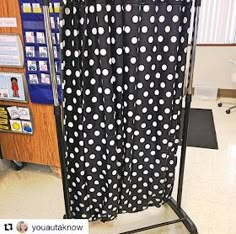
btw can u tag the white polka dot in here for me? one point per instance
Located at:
(166, 48)
(70, 124)
(94, 31)
(68, 72)
(98, 71)
(69, 90)
(132, 79)
(69, 108)
(170, 77)
(152, 19)
(173, 39)
(103, 52)
(135, 19)
(119, 70)
(127, 29)
(134, 40)
(133, 60)
(167, 29)
(89, 126)
(139, 102)
(169, 8)
(150, 39)
(119, 88)
(175, 18)
(140, 85)
(144, 29)
(118, 8)
(68, 32)
(94, 99)
(99, 7)
(119, 30)
(160, 38)
(128, 7)
(91, 62)
(143, 49)
(119, 51)
(107, 91)
(164, 67)
(172, 58)
(87, 91)
(162, 18)
(108, 8)
(67, 11)
(109, 109)
(92, 81)
(105, 72)
(68, 53)
(141, 67)
(101, 30)
(146, 8)
(127, 50)
(91, 9)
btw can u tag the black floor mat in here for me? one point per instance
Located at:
(201, 132)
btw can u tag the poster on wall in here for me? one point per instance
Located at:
(11, 51)
(16, 119)
(36, 52)
(13, 87)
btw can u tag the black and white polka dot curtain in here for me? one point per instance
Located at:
(123, 66)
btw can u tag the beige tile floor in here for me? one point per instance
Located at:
(209, 189)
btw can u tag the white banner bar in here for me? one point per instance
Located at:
(50, 226)
(8, 22)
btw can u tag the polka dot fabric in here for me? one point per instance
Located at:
(123, 66)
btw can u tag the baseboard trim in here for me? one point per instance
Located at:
(229, 93)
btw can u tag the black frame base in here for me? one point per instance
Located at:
(183, 217)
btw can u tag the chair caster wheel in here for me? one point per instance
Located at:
(227, 111)
(219, 104)
(64, 217)
(17, 166)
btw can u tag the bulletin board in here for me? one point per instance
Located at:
(35, 49)
(15, 119)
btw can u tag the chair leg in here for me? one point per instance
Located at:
(229, 109)
(233, 107)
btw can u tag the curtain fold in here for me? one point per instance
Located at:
(123, 65)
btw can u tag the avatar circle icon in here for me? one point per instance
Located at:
(22, 227)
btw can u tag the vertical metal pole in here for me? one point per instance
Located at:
(188, 101)
(57, 108)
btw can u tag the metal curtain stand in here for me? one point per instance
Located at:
(174, 204)
(57, 107)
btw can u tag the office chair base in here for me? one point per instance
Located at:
(228, 111)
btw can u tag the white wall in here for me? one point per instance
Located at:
(213, 68)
